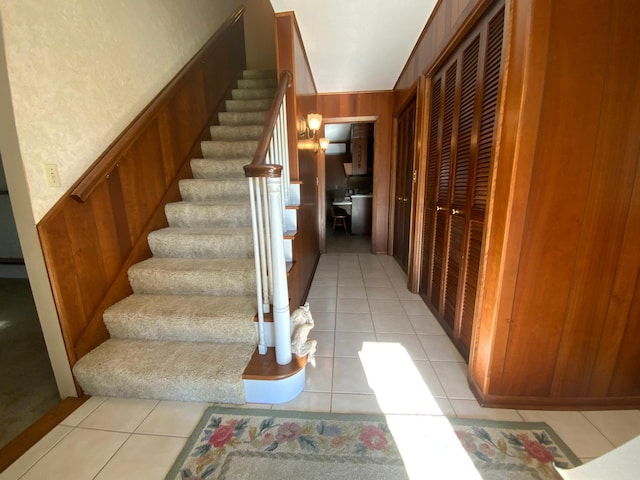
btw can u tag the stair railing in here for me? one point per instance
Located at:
(268, 176)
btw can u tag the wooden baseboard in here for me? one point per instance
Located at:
(33, 434)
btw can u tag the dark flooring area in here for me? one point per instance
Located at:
(27, 386)
(339, 241)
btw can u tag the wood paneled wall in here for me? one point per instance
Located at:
(301, 100)
(376, 107)
(558, 307)
(99, 228)
(559, 315)
(448, 23)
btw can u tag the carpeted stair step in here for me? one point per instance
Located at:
(178, 371)
(236, 132)
(227, 149)
(219, 169)
(208, 214)
(209, 190)
(194, 276)
(190, 242)
(242, 118)
(252, 83)
(255, 105)
(188, 332)
(180, 318)
(252, 93)
(259, 74)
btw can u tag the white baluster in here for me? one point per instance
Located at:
(258, 248)
(281, 320)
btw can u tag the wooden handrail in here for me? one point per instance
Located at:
(260, 156)
(101, 168)
(263, 170)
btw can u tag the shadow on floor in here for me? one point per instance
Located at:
(338, 241)
(27, 386)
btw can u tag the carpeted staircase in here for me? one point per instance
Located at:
(187, 331)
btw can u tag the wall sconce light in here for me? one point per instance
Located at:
(314, 120)
(324, 144)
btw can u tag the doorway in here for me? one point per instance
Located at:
(405, 141)
(348, 192)
(28, 388)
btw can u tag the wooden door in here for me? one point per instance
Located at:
(461, 136)
(481, 153)
(404, 183)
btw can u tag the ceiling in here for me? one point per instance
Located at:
(357, 45)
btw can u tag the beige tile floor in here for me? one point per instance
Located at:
(368, 327)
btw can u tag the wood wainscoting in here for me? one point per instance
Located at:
(536, 275)
(303, 163)
(99, 228)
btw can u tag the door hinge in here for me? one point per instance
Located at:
(317, 182)
(415, 176)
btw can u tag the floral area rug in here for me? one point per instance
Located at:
(237, 443)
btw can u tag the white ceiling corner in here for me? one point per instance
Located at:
(357, 45)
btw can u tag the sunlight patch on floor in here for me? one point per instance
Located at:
(424, 436)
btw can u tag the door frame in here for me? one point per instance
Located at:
(29, 239)
(322, 179)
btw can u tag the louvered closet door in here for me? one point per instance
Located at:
(461, 136)
(491, 41)
(441, 214)
(461, 171)
(433, 165)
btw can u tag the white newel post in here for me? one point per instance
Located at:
(281, 320)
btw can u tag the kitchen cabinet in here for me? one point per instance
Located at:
(361, 137)
(361, 214)
(359, 156)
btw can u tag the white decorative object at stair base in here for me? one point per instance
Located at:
(275, 391)
(301, 325)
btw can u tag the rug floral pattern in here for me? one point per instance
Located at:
(497, 452)
(531, 452)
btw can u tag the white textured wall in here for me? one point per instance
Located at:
(81, 70)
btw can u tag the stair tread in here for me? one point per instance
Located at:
(230, 213)
(242, 118)
(194, 276)
(214, 189)
(236, 132)
(204, 306)
(211, 168)
(201, 242)
(181, 371)
(195, 264)
(252, 93)
(184, 318)
(252, 73)
(204, 231)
